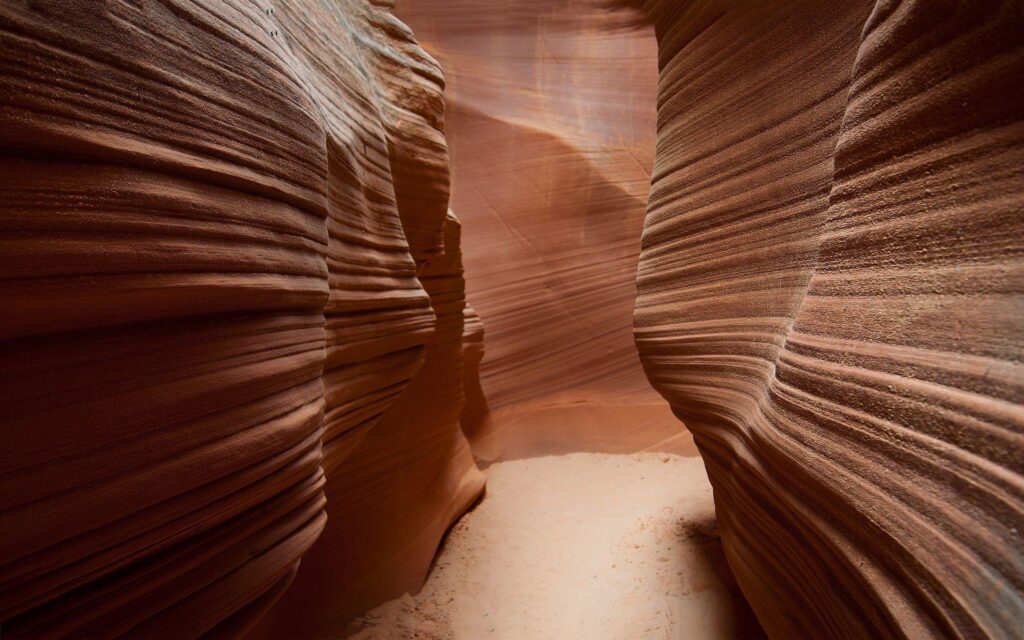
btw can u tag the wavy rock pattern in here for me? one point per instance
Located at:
(550, 170)
(235, 320)
(830, 295)
(396, 495)
(213, 218)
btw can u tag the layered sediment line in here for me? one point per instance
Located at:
(830, 296)
(235, 332)
(404, 484)
(215, 215)
(550, 168)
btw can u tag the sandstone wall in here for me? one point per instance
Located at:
(234, 316)
(214, 215)
(830, 295)
(550, 122)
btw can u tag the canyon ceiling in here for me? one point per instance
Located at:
(242, 391)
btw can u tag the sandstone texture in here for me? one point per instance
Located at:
(242, 392)
(550, 123)
(231, 287)
(830, 296)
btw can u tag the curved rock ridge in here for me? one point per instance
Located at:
(408, 479)
(550, 121)
(830, 295)
(214, 216)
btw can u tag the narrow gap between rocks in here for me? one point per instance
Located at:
(598, 520)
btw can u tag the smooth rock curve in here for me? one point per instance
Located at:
(218, 221)
(831, 291)
(551, 164)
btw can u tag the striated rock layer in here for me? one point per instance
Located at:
(392, 500)
(213, 219)
(830, 295)
(550, 120)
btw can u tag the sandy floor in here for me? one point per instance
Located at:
(593, 546)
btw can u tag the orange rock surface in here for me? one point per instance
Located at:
(830, 296)
(224, 243)
(550, 122)
(235, 333)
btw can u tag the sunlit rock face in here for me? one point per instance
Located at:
(227, 269)
(550, 123)
(830, 295)
(234, 331)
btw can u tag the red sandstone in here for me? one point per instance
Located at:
(242, 391)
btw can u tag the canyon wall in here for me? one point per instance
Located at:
(550, 122)
(231, 287)
(235, 332)
(830, 295)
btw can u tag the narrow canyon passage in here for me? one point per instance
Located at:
(551, 166)
(595, 546)
(461, 319)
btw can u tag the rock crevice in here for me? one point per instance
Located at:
(235, 333)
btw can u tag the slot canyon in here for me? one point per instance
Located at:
(461, 319)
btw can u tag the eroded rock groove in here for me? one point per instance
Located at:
(242, 392)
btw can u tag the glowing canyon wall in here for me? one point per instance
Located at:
(235, 332)
(830, 296)
(231, 287)
(550, 121)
